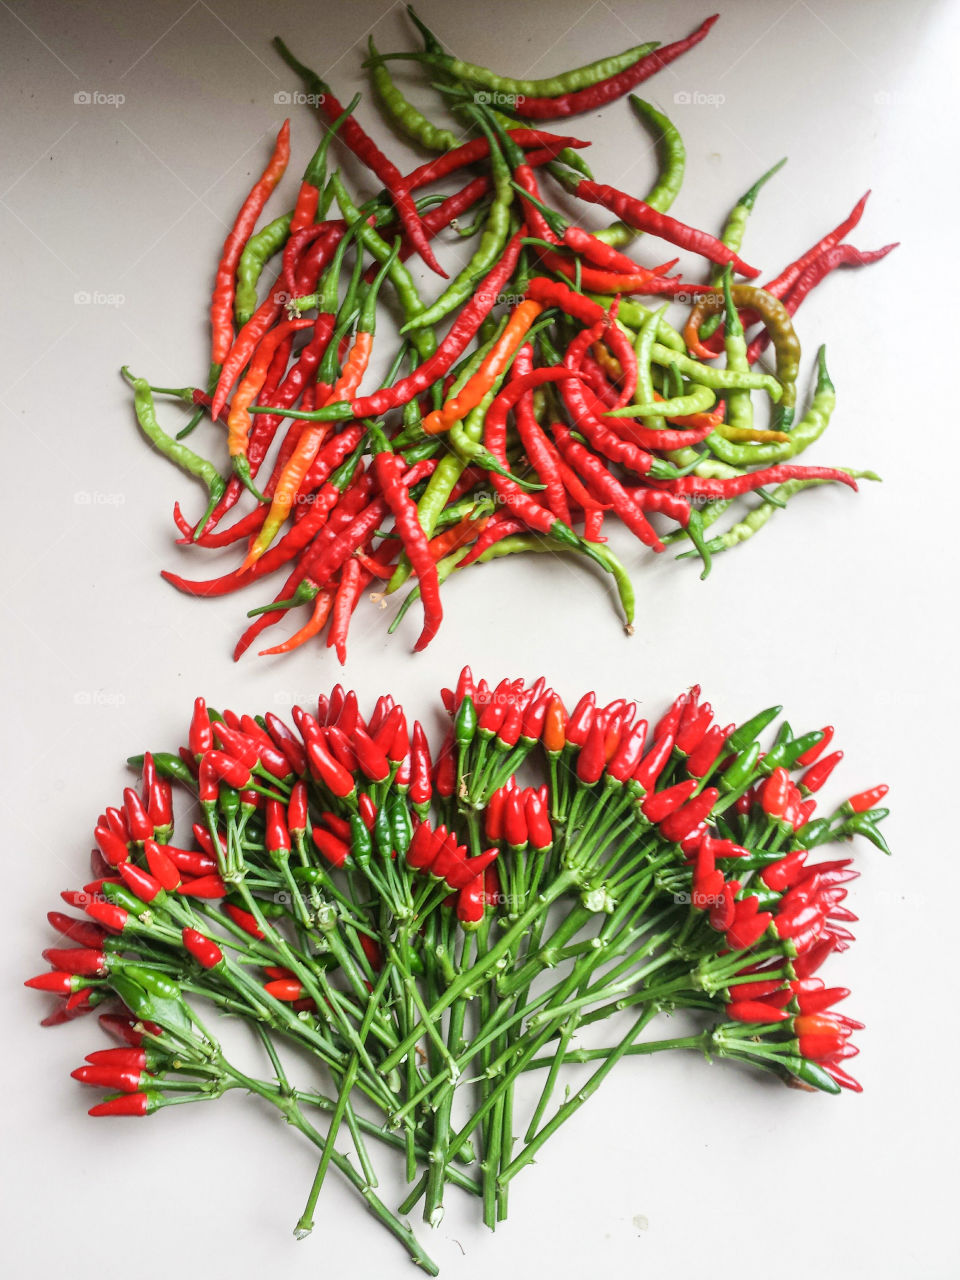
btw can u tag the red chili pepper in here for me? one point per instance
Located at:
(605, 91)
(694, 723)
(865, 800)
(210, 886)
(128, 1104)
(56, 981)
(680, 823)
(78, 931)
(112, 846)
(817, 750)
(636, 213)
(130, 1059)
(332, 847)
(88, 962)
(140, 882)
(658, 805)
(244, 919)
(326, 769)
(651, 766)
(775, 793)
(108, 914)
(286, 742)
(125, 1029)
(371, 759)
(471, 903)
(201, 730)
(110, 1077)
(754, 1011)
(817, 774)
(276, 835)
(421, 768)
(221, 306)
(202, 948)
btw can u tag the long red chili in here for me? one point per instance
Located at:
(637, 213)
(606, 91)
(221, 304)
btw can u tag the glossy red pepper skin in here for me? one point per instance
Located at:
(653, 763)
(658, 805)
(818, 773)
(200, 738)
(128, 1104)
(203, 949)
(335, 850)
(78, 931)
(297, 808)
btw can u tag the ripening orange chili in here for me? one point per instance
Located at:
(493, 366)
(238, 420)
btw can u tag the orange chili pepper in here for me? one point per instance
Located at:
(238, 420)
(321, 611)
(494, 364)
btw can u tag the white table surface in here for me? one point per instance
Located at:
(843, 610)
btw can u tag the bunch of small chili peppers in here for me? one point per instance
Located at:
(427, 925)
(555, 396)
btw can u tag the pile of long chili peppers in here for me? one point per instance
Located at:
(554, 398)
(429, 923)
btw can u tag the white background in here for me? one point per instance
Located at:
(842, 610)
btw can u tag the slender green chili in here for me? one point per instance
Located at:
(670, 179)
(492, 242)
(404, 114)
(256, 253)
(423, 338)
(181, 454)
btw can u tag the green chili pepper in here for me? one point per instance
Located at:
(667, 186)
(551, 87)
(810, 1073)
(180, 454)
(734, 777)
(167, 766)
(153, 982)
(733, 232)
(751, 729)
(631, 315)
(400, 823)
(865, 824)
(134, 997)
(411, 121)
(492, 242)
(716, 379)
(423, 338)
(739, 406)
(228, 802)
(753, 522)
(465, 724)
(697, 400)
(361, 843)
(122, 896)
(383, 833)
(256, 253)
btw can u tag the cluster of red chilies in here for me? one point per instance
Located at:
(554, 399)
(359, 894)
